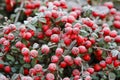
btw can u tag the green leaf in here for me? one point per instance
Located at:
(34, 20)
(84, 33)
(14, 77)
(111, 76)
(21, 70)
(33, 62)
(1, 62)
(31, 27)
(26, 65)
(58, 19)
(94, 35)
(9, 57)
(1, 54)
(13, 69)
(114, 52)
(43, 20)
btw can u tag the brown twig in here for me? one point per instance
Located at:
(20, 9)
(101, 48)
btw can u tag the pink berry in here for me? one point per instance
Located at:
(75, 51)
(55, 38)
(75, 72)
(52, 67)
(50, 76)
(34, 53)
(78, 61)
(38, 68)
(25, 51)
(54, 59)
(45, 49)
(82, 49)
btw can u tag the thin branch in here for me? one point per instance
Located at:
(20, 9)
(101, 48)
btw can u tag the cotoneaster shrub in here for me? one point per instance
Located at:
(58, 43)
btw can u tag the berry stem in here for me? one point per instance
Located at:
(19, 12)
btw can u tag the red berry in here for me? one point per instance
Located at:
(82, 49)
(12, 27)
(68, 25)
(70, 19)
(40, 35)
(25, 51)
(1, 66)
(55, 38)
(117, 39)
(55, 14)
(54, 59)
(26, 59)
(34, 53)
(22, 28)
(52, 67)
(68, 60)
(2, 40)
(26, 71)
(6, 30)
(78, 61)
(18, 44)
(113, 33)
(109, 4)
(103, 64)
(32, 71)
(67, 41)
(48, 32)
(48, 14)
(6, 43)
(10, 36)
(76, 77)
(80, 40)
(45, 49)
(88, 44)
(116, 63)
(56, 3)
(90, 70)
(63, 64)
(7, 69)
(50, 76)
(97, 67)
(28, 12)
(76, 72)
(108, 60)
(86, 57)
(106, 30)
(56, 30)
(113, 11)
(116, 24)
(107, 39)
(76, 30)
(28, 35)
(75, 51)
(45, 27)
(59, 52)
(98, 52)
(66, 78)
(38, 68)
(64, 19)
(68, 30)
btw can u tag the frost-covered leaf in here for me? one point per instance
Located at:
(43, 20)
(111, 76)
(100, 9)
(9, 57)
(114, 53)
(31, 27)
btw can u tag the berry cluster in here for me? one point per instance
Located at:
(61, 43)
